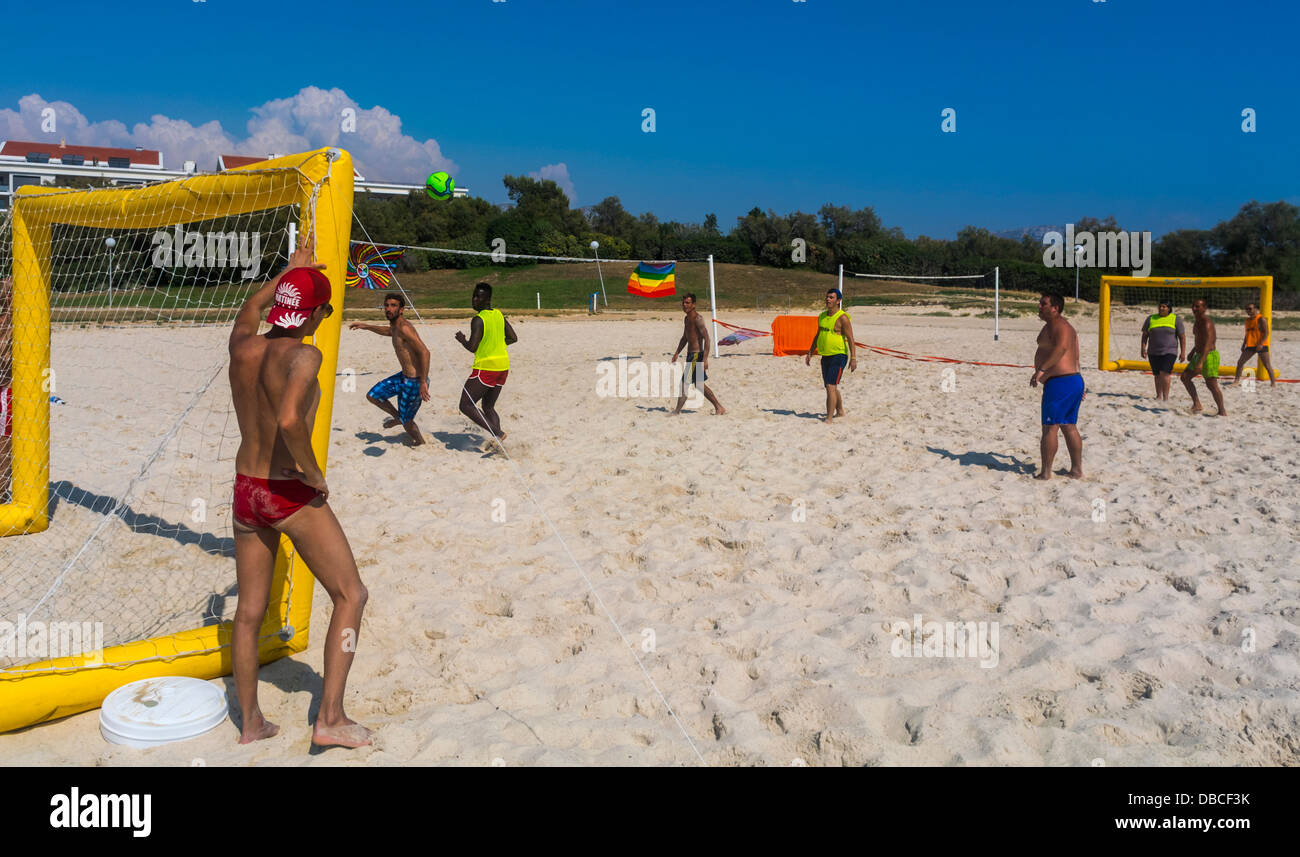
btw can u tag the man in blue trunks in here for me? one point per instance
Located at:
(411, 384)
(1056, 364)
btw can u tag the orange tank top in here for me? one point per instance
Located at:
(1252, 333)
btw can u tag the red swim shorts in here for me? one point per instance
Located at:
(490, 379)
(265, 502)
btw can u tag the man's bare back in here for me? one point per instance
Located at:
(280, 490)
(260, 368)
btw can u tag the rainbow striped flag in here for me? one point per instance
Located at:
(653, 280)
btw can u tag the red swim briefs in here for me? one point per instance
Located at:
(266, 502)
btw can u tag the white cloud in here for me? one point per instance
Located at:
(311, 118)
(558, 173)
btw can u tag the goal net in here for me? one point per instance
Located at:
(119, 563)
(1125, 303)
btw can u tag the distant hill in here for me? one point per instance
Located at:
(1035, 232)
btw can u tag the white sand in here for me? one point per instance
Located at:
(1119, 640)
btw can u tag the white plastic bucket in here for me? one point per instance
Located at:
(161, 710)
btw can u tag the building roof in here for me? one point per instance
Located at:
(136, 157)
(232, 162)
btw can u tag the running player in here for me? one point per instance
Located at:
(280, 489)
(1204, 359)
(1255, 343)
(695, 339)
(489, 334)
(834, 342)
(1056, 364)
(411, 384)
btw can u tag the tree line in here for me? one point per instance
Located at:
(1261, 238)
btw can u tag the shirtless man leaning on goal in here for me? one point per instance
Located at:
(279, 488)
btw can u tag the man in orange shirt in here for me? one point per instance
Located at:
(1255, 343)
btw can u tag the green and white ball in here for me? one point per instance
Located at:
(440, 186)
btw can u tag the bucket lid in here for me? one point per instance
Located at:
(161, 710)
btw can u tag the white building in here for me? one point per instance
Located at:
(24, 162)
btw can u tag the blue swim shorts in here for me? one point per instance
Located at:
(1061, 397)
(407, 391)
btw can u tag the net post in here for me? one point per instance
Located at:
(332, 225)
(1266, 310)
(997, 295)
(28, 511)
(841, 285)
(713, 306)
(1103, 324)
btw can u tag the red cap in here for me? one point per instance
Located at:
(299, 292)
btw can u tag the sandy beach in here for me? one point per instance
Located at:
(627, 587)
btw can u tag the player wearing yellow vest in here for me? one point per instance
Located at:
(1163, 340)
(1256, 343)
(834, 342)
(489, 334)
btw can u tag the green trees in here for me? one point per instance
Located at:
(1262, 238)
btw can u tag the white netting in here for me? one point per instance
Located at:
(1130, 305)
(142, 430)
(954, 291)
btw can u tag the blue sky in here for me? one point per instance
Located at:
(1065, 108)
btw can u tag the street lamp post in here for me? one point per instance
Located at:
(110, 243)
(1078, 248)
(595, 246)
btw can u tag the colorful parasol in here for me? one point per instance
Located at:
(370, 266)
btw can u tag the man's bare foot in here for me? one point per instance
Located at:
(827, 419)
(719, 411)
(840, 412)
(1222, 413)
(346, 734)
(674, 413)
(1044, 476)
(1196, 409)
(1075, 474)
(391, 421)
(258, 729)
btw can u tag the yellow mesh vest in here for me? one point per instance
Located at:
(829, 342)
(491, 354)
